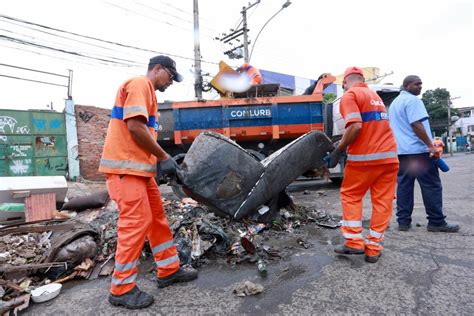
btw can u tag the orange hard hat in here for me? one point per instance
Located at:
(353, 70)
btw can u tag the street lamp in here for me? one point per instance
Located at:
(450, 141)
(284, 6)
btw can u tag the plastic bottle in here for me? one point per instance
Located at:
(442, 165)
(262, 267)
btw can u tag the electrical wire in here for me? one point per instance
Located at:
(94, 53)
(34, 70)
(101, 40)
(37, 81)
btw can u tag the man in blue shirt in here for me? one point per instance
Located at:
(416, 153)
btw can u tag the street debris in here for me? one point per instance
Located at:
(262, 268)
(46, 292)
(247, 288)
(82, 242)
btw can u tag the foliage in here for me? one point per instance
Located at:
(329, 98)
(436, 105)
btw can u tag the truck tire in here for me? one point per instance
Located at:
(337, 181)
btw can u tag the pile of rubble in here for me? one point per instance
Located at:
(35, 254)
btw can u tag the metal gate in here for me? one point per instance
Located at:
(32, 143)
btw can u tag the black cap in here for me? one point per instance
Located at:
(168, 63)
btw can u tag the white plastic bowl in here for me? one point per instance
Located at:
(46, 292)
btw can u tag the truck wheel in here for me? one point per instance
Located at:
(337, 181)
(257, 155)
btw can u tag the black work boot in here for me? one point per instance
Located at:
(184, 274)
(448, 228)
(404, 228)
(373, 259)
(134, 299)
(344, 250)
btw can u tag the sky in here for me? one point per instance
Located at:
(429, 38)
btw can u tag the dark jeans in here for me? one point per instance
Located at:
(421, 168)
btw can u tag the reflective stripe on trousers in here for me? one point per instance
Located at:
(381, 180)
(141, 217)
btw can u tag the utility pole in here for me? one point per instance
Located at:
(197, 54)
(246, 39)
(236, 52)
(450, 141)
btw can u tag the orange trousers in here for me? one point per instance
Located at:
(381, 180)
(141, 216)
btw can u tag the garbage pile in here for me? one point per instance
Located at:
(200, 235)
(29, 248)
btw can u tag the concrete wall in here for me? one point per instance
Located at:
(92, 123)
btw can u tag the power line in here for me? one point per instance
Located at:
(173, 16)
(101, 40)
(94, 53)
(37, 81)
(24, 42)
(34, 70)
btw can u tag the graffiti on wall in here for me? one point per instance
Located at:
(20, 150)
(86, 116)
(20, 167)
(23, 129)
(6, 121)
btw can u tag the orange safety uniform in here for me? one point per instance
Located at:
(372, 163)
(252, 72)
(130, 172)
(439, 145)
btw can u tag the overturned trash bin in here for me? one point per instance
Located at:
(222, 175)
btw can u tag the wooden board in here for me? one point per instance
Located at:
(40, 206)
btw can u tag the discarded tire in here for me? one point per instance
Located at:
(218, 173)
(221, 174)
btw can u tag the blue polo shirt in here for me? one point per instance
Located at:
(404, 110)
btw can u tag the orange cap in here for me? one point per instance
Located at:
(353, 70)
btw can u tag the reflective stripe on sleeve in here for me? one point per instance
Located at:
(162, 247)
(126, 164)
(352, 115)
(135, 109)
(375, 156)
(128, 280)
(375, 234)
(351, 223)
(167, 261)
(125, 266)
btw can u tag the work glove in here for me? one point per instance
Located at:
(168, 167)
(332, 159)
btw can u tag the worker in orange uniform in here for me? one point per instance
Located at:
(372, 163)
(252, 73)
(439, 145)
(129, 162)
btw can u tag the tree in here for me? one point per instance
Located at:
(436, 105)
(329, 98)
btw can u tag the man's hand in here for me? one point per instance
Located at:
(434, 153)
(168, 167)
(332, 159)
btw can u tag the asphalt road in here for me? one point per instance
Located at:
(419, 272)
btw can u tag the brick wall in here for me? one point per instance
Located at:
(92, 123)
